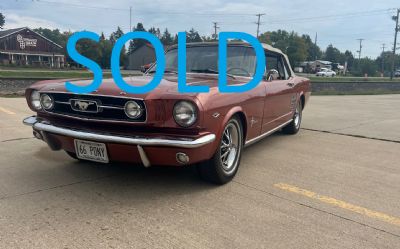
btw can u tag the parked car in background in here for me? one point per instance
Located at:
(325, 72)
(397, 73)
(164, 127)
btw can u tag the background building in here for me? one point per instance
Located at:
(24, 46)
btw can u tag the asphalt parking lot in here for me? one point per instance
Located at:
(334, 185)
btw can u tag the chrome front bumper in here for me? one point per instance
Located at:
(44, 126)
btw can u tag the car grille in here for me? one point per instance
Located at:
(94, 107)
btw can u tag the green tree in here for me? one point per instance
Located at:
(332, 54)
(313, 51)
(290, 43)
(113, 38)
(89, 49)
(116, 35)
(386, 58)
(135, 44)
(366, 66)
(2, 20)
(155, 31)
(166, 38)
(106, 49)
(193, 36)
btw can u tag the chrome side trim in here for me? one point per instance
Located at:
(256, 139)
(285, 115)
(143, 156)
(106, 138)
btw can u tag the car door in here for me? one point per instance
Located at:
(279, 94)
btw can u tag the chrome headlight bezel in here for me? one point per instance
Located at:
(131, 107)
(35, 100)
(46, 101)
(185, 113)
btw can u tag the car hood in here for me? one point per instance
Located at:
(167, 87)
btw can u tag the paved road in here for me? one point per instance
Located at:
(324, 188)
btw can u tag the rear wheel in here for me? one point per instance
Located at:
(294, 126)
(222, 167)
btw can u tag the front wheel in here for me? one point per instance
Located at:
(222, 167)
(294, 126)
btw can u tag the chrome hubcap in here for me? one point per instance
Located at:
(229, 148)
(297, 116)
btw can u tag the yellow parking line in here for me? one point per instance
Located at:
(338, 203)
(6, 111)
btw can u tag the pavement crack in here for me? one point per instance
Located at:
(352, 135)
(16, 139)
(316, 209)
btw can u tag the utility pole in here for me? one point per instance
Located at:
(315, 45)
(215, 30)
(395, 18)
(130, 19)
(359, 51)
(259, 23)
(383, 58)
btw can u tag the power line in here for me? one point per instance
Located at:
(259, 23)
(144, 12)
(347, 15)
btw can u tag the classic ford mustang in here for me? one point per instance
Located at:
(164, 127)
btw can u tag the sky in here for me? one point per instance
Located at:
(339, 22)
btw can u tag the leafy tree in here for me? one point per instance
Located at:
(135, 44)
(116, 35)
(193, 36)
(366, 66)
(155, 31)
(106, 49)
(89, 49)
(290, 43)
(2, 20)
(166, 38)
(332, 54)
(313, 51)
(386, 58)
(205, 38)
(113, 38)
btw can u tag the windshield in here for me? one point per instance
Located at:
(241, 60)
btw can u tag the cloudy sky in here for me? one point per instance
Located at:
(339, 22)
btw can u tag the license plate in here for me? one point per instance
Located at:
(91, 151)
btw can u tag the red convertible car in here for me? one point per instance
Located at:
(164, 127)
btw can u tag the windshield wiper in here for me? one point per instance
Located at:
(212, 71)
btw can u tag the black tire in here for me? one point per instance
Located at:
(294, 126)
(222, 167)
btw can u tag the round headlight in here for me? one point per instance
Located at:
(133, 109)
(35, 100)
(185, 113)
(46, 101)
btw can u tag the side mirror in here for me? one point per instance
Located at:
(273, 74)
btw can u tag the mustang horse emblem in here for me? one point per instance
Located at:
(82, 105)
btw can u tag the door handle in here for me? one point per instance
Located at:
(290, 84)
